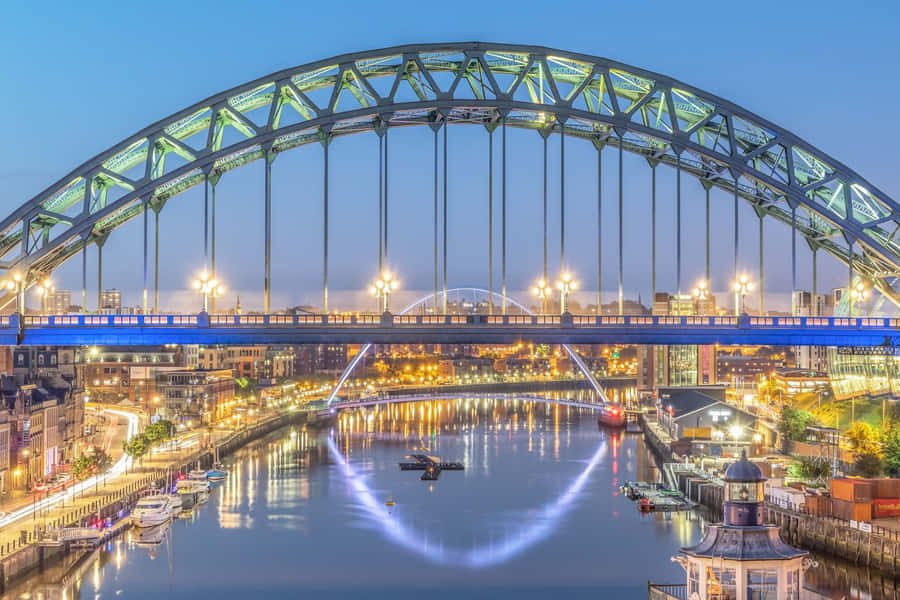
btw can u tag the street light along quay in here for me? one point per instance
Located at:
(566, 285)
(742, 287)
(542, 291)
(17, 285)
(382, 289)
(208, 288)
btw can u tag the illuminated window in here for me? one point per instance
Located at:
(721, 584)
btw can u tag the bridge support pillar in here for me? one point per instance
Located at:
(490, 220)
(762, 278)
(325, 230)
(600, 229)
(144, 304)
(678, 221)
(444, 224)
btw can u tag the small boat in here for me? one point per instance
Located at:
(611, 415)
(217, 473)
(153, 510)
(201, 478)
(645, 505)
(390, 501)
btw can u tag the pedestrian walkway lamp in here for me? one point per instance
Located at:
(566, 285)
(742, 287)
(701, 293)
(44, 289)
(208, 288)
(382, 289)
(858, 295)
(542, 291)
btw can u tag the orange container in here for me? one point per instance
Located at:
(862, 511)
(851, 490)
(851, 511)
(886, 507)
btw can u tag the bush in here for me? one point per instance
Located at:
(811, 468)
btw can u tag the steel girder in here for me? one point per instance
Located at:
(540, 88)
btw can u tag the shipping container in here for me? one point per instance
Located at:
(851, 511)
(886, 488)
(819, 506)
(786, 497)
(851, 490)
(886, 507)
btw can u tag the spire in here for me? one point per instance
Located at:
(237, 306)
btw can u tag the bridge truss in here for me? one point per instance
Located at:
(494, 85)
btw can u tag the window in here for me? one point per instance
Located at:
(721, 584)
(762, 584)
(793, 584)
(694, 579)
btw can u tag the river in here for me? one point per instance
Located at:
(536, 512)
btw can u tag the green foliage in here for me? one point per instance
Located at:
(92, 463)
(891, 449)
(868, 465)
(863, 439)
(811, 468)
(159, 431)
(793, 423)
(137, 446)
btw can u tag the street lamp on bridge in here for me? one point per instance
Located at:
(382, 289)
(43, 290)
(742, 287)
(701, 293)
(208, 288)
(566, 285)
(858, 295)
(17, 284)
(542, 291)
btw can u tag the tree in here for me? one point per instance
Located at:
(137, 446)
(159, 431)
(793, 423)
(868, 465)
(94, 462)
(863, 439)
(891, 449)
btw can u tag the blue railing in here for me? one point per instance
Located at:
(373, 320)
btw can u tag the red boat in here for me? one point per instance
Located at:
(611, 416)
(645, 505)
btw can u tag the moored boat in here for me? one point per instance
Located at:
(153, 510)
(217, 473)
(611, 415)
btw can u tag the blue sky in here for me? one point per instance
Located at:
(77, 78)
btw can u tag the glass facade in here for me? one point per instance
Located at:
(694, 579)
(683, 365)
(745, 491)
(793, 584)
(859, 375)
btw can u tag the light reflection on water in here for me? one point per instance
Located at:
(536, 510)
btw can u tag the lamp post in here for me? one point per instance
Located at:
(44, 289)
(542, 290)
(382, 289)
(858, 295)
(208, 288)
(17, 284)
(701, 293)
(566, 285)
(742, 287)
(735, 432)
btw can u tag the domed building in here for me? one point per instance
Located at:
(743, 558)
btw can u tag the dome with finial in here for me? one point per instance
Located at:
(743, 470)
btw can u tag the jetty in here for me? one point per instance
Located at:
(431, 465)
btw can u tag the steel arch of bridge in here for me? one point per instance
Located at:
(551, 91)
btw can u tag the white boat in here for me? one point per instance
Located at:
(153, 510)
(200, 477)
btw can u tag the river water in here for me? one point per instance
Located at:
(535, 513)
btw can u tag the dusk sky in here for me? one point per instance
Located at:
(78, 78)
